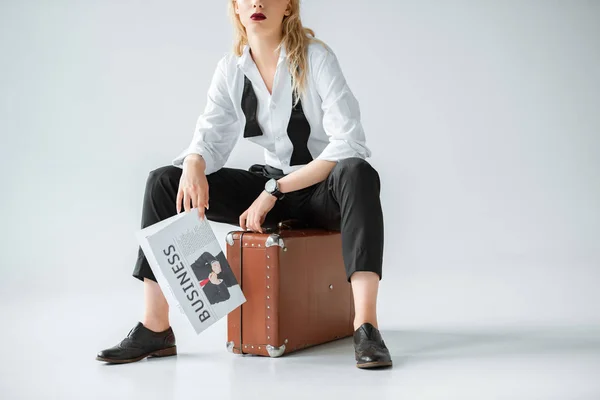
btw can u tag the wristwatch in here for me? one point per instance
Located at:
(272, 187)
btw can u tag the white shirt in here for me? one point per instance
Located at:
(329, 106)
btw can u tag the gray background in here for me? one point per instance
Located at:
(483, 119)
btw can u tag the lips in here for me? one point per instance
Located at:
(258, 16)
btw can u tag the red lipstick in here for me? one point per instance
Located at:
(258, 17)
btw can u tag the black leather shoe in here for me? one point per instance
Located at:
(369, 349)
(140, 342)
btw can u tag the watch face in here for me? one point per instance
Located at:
(271, 185)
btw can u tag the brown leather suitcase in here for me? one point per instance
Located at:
(296, 290)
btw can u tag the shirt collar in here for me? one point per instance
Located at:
(245, 59)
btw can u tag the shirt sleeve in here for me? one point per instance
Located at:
(216, 131)
(341, 113)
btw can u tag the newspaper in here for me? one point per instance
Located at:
(191, 269)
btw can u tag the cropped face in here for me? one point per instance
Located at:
(262, 16)
(216, 267)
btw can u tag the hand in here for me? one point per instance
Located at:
(193, 186)
(212, 277)
(255, 215)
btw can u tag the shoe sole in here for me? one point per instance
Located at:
(374, 364)
(169, 351)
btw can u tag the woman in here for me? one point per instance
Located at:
(284, 90)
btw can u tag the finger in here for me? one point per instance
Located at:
(178, 201)
(243, 220)
(254, 219)
(186, 200)
(257, 222)
(249, 221)
(207, 194)
(200, 207)
(194, 198)
(203, 196)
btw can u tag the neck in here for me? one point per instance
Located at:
(262, 49)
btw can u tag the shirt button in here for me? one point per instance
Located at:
(273, 106)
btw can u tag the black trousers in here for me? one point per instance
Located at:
(346, 201)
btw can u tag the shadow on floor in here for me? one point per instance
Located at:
(409, 346)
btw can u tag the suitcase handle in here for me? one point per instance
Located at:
(286, 224)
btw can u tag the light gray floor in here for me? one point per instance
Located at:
(49, 344)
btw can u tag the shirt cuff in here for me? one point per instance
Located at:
(208, 159)
(339, 149)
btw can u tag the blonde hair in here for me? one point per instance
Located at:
(296, 39)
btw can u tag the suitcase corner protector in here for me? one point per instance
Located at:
(275, 351)
(274, 239)
(229, 238)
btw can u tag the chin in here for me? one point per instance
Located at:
(257, 25)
